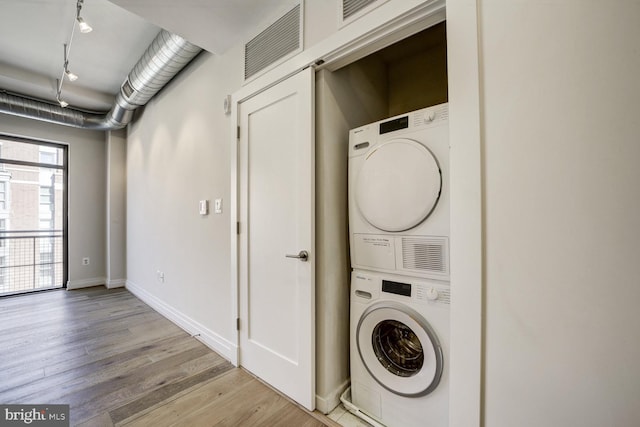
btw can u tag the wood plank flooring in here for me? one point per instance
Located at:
(117, 362)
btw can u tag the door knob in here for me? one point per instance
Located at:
(302, 256)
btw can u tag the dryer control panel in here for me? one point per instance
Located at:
(393, 125)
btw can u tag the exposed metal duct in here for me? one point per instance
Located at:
(163, 59)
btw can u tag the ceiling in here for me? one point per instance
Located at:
(33, 32)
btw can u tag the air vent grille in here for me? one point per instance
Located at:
(424, 254)
(127, 89)
(275, 42)
(351, 7)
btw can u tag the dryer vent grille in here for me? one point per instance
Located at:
(277, 41)
(424, 254)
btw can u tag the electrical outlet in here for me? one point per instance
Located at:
(86, 261)
(160, 276)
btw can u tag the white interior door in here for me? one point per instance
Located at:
(276, 208)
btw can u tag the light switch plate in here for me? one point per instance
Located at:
(204, 207)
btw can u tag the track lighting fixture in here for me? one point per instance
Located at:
(62, 102)
(72, 77)
(84, 28)
(82, 24)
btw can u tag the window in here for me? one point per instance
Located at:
(48, 156)
(45, 195)
(3, 195)
(46, 267)
(3, 227)
(46, 208)
(3, 270)
(33, 204)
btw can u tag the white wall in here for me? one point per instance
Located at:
(86, 193)
(466, 250)
(562, 207)
(116, 164)
(345, 99)
(178, 154)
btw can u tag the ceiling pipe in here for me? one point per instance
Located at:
(165, 57)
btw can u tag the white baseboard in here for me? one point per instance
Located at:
(85, 283)
(209, 338)
(117, 283)
(328, 403)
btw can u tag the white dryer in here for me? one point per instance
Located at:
(399, 194)
(399, 349)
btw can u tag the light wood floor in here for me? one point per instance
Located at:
(117, 362)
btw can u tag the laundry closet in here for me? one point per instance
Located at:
(406, 76)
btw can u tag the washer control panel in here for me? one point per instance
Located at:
(397, 288)
(420, 291)
(368, 287)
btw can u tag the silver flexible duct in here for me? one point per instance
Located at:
(163, 59)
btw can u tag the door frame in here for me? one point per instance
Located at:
(366, 35)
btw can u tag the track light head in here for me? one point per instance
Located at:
(82, 24)
(58, 94)
(84, 28)
(72, 77)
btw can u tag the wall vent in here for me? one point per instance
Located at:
(425, 254)
(274, 43)
(355, 9)
(351, 7)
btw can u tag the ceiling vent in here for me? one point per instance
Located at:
(353, 9)
(278, 41)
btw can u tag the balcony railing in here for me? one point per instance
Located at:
(31, 260)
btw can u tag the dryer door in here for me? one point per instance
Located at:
(399, 349)
(398, 185)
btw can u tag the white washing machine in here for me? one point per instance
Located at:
(399, 194)
(399, 349)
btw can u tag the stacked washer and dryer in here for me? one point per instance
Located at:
(399, 238)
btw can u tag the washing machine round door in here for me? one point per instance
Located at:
(399, 349)
(398, 185)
